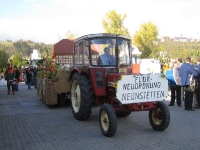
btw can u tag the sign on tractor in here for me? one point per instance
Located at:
(141, 88)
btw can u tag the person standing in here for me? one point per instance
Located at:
(172, 76)
(29, 77)
(182, 88)
(197, 91)
(10, 77)
(185, 71)
(17, 76)
(178, 83)
(2, 76)
(35, 77)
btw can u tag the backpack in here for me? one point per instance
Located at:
(193, 84)
(170, 78)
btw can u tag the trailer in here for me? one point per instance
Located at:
(54, 91)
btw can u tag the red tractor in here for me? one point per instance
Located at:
(102, 74)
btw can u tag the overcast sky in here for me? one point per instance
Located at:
(49, 20)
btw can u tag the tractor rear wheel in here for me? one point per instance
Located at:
(107, 120)
(81, 97)
(159, 116)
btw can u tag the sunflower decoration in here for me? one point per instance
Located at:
(83, 68)
(163, 69)
(115, 85)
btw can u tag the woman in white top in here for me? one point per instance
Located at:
(176, 73)
(176, 90)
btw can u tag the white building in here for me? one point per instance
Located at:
(35, 55)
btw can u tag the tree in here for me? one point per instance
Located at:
(16, 61)
(113, 23)
(3, 58)
(70, 35)
(146, 39)
(22, 48)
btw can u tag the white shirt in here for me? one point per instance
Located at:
(176, 76)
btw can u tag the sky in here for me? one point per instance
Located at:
(48, 21)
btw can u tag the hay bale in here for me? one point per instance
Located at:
(61, 82)
(51, 94)
(43, 90)
(39, 87)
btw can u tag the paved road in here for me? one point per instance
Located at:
(2, 82)
(27, 123)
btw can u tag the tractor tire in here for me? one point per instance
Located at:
(81, 97)
(61, 99)
(159, 116)
(123, 113)
(107, 120)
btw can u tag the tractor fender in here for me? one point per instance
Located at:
(74, 70)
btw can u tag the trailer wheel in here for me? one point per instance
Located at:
(159, 116)
(81, 97)
(107, 120)
(123, 114)
(61, 99)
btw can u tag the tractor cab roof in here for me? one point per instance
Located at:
(89, 36)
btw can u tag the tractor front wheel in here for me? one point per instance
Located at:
(159, 116)
(107, 120)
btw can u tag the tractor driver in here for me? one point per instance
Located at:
(106, 58)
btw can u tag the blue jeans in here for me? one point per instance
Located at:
(16, 87)
(29, 85)
(35, 82)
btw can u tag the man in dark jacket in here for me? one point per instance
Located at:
(29, 77)
(10, 77)
(17, 76)
(184, 72)
(197, 91)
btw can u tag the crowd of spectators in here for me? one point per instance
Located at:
(184, 83)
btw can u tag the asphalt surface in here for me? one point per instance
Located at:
(26, 123)
(2, 82)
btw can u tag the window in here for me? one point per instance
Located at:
(78, 53)
(86, 55)
(103, 51)
(124, 52)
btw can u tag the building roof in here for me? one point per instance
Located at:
(180, 37)
(64, 46)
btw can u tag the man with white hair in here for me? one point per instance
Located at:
(106, 58)
(185, 71)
